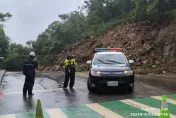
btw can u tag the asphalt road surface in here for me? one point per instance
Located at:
(79, 103)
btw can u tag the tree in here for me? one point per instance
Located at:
(5, 16)
(64, 17)
(30, 43)
(100, 16)
(4, 42)
(140, 11)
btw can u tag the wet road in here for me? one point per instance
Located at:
(52, 96)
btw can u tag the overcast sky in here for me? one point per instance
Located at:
(31, 17)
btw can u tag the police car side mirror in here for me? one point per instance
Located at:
(131, 62)
(89, 62)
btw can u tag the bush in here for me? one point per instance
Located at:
(172, 13)
(14, 62)
(104, 27)
(46, 60)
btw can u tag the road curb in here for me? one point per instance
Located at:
(53, 77)
(168, 82)
(154, 80)
(2, 78)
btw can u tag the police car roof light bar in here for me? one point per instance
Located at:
(106, 49)
(118, 49)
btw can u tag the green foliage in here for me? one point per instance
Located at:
(20, 49)
(101, 16)
(140, 10)
(14, 62)
(60, 34)
(46, 60)
(14, 54)
(17, 53)
(5, 16)
(152, 6)
(172, 13)
(104, 27)
(4, 42)
(95, 17)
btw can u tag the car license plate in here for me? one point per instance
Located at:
(112, 83)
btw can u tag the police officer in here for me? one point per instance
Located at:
(69, 71)
(29, 71)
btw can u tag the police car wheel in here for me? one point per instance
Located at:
(130, 89)
(89, 86)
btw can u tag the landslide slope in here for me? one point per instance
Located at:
(153, 47)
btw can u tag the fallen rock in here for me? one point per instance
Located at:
(138, 59)
(157, 62)
(153, 66)
(145, 62)
(138, 29)
(131, 35)
(147, 46)
(57, 68)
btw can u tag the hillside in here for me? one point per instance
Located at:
(145, 29)
(150, 46)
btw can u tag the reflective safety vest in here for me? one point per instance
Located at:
(70, 63)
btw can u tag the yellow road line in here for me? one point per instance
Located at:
(168, 100)
(103, 111)
(56, 113)
(149, 109)
(8, 116)
(37, 91)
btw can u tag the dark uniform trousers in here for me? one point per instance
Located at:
(69, 75)
(29, 71)
(28, 84)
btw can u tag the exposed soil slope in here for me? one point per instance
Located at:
(150, 46)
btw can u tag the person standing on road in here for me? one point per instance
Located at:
(29, 71)
(70, 63)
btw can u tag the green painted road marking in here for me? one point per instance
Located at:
(173, 96)
(155, 104)
(81, 111)
(30, 115)
(124, 110)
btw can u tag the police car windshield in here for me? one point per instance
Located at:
(110, 59)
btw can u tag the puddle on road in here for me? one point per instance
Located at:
(13, 82)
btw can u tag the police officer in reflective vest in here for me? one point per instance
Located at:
(29, 71)
(69, 72)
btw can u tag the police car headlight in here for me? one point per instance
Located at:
(129, 72)
(95, 73)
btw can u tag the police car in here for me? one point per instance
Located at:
(110, 68)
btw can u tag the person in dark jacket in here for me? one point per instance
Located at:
(29, 67)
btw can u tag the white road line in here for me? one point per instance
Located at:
(144, 107)
(168, 100)
(56, 113)
(103, 111)
(8, 116)
(37, 91)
